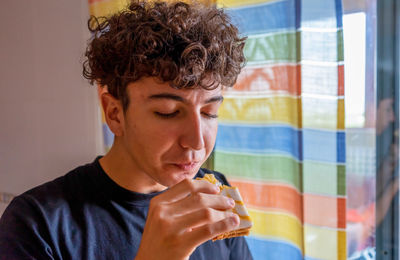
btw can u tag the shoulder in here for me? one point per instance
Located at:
(220, 177)
(68, 184)
(51, 195)
(31, 219)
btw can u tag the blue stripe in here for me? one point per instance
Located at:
(310, 144)
(339, 13)
(268, 249)
(320, 13)
(326, 146)
(341, 146)
(108, 136)
(298, 13)
(263, 139)
(263, 18)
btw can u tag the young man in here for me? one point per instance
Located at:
(164, 66)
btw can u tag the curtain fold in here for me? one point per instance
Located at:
(281, 136)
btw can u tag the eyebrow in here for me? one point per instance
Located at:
(181, 99)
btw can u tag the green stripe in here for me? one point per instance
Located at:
(341, 180)
(272, 168)
(324, 178)
(274, 47)
(318, 178)
(286, 47)
(340, 51)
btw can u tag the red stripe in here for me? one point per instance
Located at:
(284, 198)
(317, 210)
(273, 78)
(325, 211)
(341, 80)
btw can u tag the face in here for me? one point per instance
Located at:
(168, 133)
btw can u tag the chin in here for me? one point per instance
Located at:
(178, 176)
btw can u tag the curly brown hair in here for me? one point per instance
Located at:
(187, 45)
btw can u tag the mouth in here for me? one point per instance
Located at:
(186, 166)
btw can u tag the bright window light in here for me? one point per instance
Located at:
(354, 38)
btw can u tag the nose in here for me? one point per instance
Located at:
(192, 136)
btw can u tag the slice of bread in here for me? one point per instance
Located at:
(240, 209)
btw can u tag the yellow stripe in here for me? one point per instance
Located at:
(342, 245)
(323, 113)
(107, 8)
(315, 113)
(237, 3)
(276, 225)
(276, 109)
(324, 243)
(341, 114)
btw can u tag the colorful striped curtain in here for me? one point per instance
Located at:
(281, 136)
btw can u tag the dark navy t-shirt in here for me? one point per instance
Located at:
(86, 215)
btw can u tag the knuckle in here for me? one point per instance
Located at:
(209, 230)
(158, 210)
(199, 199)
(207, 214)
(226, 224)
(189, 185)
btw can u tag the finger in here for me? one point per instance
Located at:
(206, 232)
(199, 200)
(195, 219)
(186, 187)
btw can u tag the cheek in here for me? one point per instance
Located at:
(210, 134)
(149, 137)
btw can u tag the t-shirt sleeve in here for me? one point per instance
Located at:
(22, 235)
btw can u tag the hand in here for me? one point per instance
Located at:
(182, 218)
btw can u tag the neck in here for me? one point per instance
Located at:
(119, 166)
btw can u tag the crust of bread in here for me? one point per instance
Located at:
(233, 233)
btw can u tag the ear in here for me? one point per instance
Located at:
(113, 113)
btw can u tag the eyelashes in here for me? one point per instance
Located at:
(174, 114)
(167, 115)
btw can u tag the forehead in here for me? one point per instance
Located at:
(143, 89)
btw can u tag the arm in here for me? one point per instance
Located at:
(182, 218)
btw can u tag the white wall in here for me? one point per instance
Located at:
(49, 120)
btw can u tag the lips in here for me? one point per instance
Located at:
(187, 166)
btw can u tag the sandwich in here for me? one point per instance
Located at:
(232, 192)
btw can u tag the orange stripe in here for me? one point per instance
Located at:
(341, 80)
(270, 78)
(325, 211)
(318, 210)
(271, 196)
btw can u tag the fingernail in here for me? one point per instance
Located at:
(235, 219)
(216, 188)
(231, 202)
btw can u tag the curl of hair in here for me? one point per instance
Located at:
(187, 45)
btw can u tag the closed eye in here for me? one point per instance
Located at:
(210, 115)
(167, 115)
